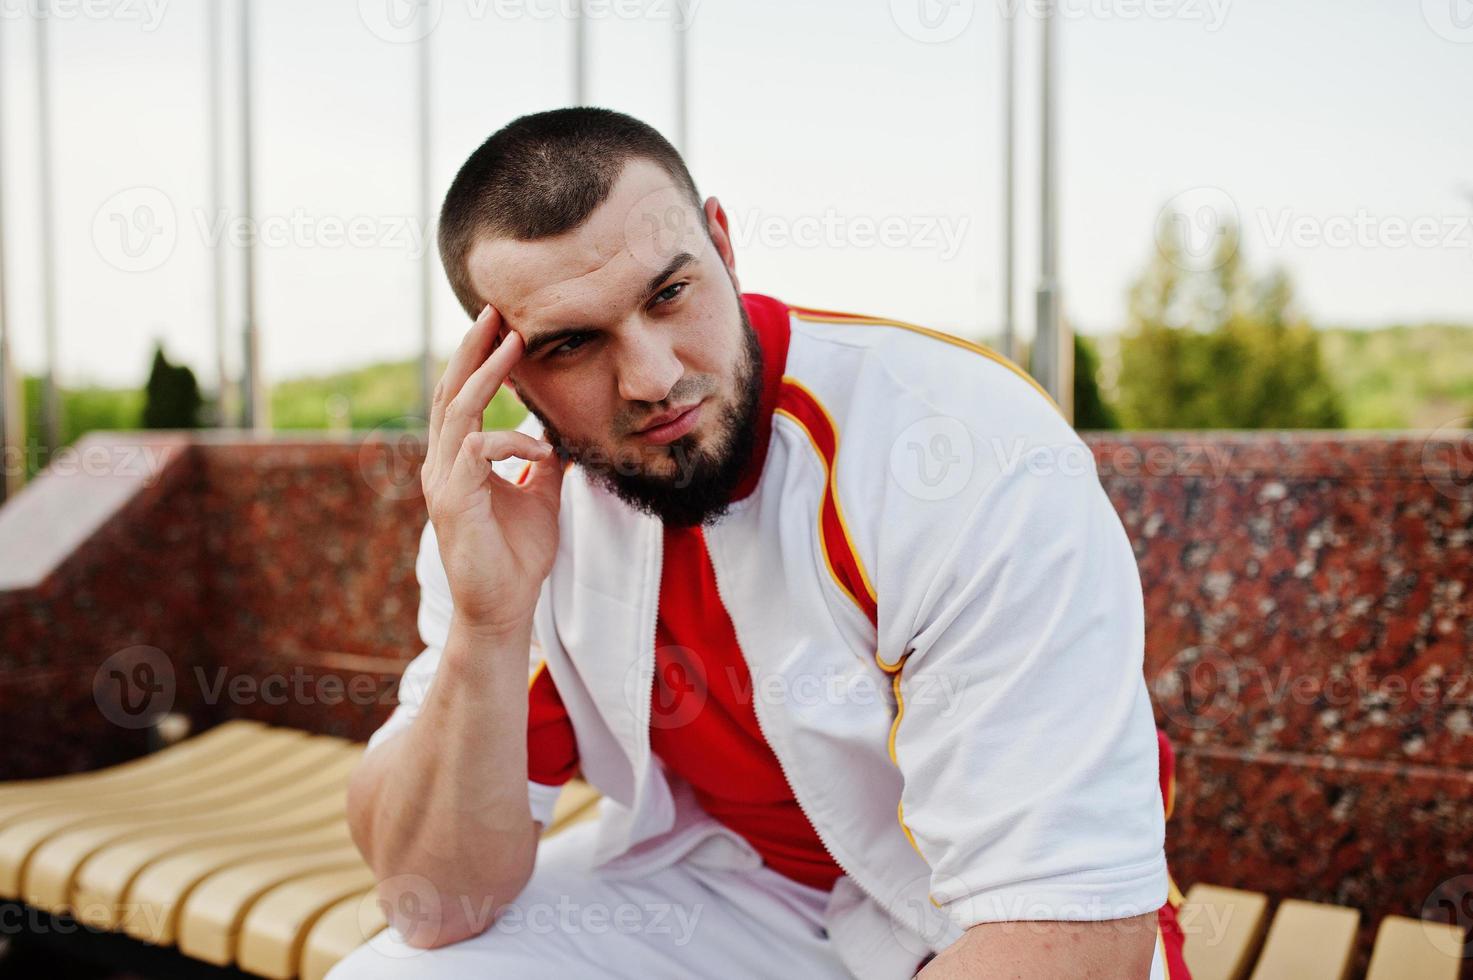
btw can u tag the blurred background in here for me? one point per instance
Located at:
(1234, 238)
(1263, 212)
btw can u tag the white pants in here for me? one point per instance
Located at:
(697, 917)
(716, 912)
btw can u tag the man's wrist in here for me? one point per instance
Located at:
(488, 641)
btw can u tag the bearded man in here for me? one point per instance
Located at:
(831, 609)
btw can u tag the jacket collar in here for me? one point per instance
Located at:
(770, 320)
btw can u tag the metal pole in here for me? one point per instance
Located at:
(13, 462)
(1046, 352)
(253, 409)
(225, 405)
(1009, 89)
(426, 266)
(50, 404)
(682, 82)
(580, 55)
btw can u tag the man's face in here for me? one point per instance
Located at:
(629, 319)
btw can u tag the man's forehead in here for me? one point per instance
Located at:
(609, 259)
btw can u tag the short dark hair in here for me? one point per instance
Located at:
(541, 175)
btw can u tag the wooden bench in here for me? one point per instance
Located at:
(233, 848)
(1229, 937)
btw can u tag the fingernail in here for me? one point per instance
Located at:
(486, 309)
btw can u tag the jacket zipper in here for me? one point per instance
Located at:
(783, 766)
(649, 651)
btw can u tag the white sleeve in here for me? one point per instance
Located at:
(1025, 736)
(435, 609)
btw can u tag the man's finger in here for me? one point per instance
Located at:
(471, 352)
(487, 379)
(478, 450)
(464, 413)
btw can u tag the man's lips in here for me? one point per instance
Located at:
(671, 425)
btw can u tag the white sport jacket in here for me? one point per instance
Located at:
(943, 621)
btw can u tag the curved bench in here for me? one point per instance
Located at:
(233, 847)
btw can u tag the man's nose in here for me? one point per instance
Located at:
(648, 367)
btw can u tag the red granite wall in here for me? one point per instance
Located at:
(269, 580)
(76, 648)
(310, 550)
(1310, 651)
(1309, 647)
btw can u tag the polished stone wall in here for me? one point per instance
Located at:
(1309, 627)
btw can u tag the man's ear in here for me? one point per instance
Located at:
(721, 237)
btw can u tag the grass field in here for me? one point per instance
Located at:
(1400, 377)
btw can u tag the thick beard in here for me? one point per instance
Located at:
(699, 492)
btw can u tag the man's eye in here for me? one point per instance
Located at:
(669, 292)
(563, 350)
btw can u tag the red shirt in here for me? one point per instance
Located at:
(703, 724)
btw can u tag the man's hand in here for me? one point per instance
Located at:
(440, 812)
(1114, 949)
(497, 539)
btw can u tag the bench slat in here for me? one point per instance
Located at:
(302, 771)
(273, 931)
(349, 924)
(142, 788)
(100, 884)
(1223, 928)
(1410, 949)
(181, 756)
(1308, 941)
(577, 802)
(211, 917)
(354, 921)
(156, 898)
(223, 780)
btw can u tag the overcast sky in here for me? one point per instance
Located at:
(855, 144)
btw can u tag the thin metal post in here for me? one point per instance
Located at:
(1009, 90)
(253, 407)
(50, 398)
(580, 54)
(12, 461)
(1046, 352)
(225, 396)
(426, 264)
(682, 81)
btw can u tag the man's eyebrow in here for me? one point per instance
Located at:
(538, 341)
(674, 266)
(541, 340)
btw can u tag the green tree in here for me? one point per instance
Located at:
(1208, 346)
(172, 398)
(1091, 411)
